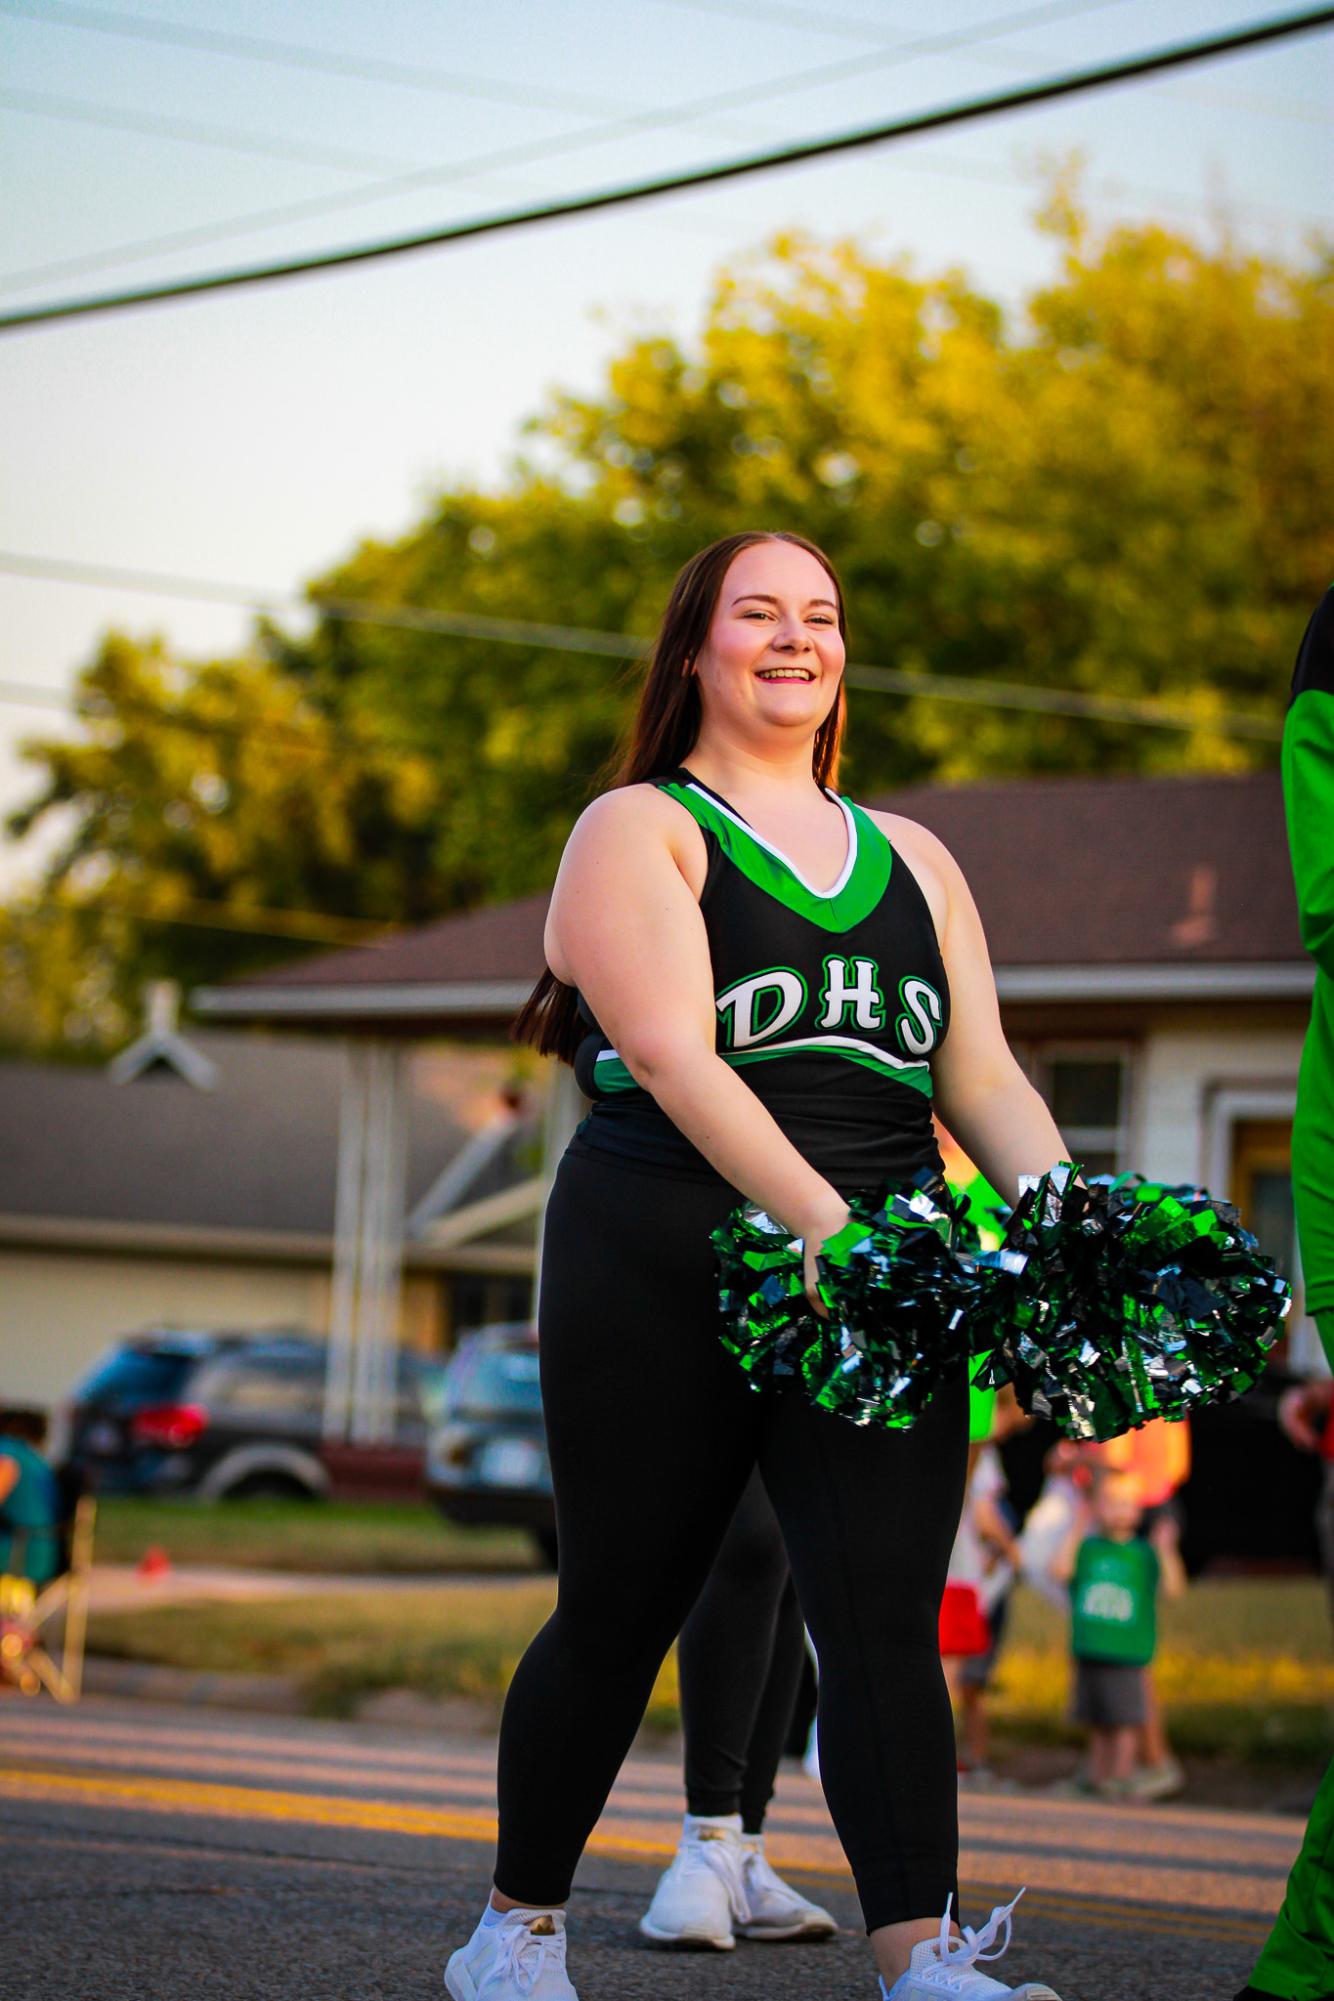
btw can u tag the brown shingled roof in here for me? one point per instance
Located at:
(1109, 871)
(1066, 872)
(501, 942)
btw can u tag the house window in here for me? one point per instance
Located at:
(481, 1299)
(1088, 1090)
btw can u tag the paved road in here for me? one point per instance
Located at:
(214, 1857)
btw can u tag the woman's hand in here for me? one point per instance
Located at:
(1303, 1412)
(825, 1224)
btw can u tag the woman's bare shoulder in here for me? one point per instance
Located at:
(637, 816)
(938, 874)
(625, 828)
(917, 842)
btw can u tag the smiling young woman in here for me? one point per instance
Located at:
(761, 986)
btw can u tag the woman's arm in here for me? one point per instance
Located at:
(625, 927)
(981, 1093)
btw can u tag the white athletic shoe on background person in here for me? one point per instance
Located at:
(514, 1955)
(777, 1911)
(701, 1898)
(947, 1966)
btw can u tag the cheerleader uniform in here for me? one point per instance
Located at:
(832, 1004)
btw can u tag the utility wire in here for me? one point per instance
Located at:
(273, 147)
(611, 645)
(1044, 92)
(694, 111)
(312, 927)
(258, 145)
(301, 56)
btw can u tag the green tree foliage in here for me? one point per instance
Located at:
(1120, 493)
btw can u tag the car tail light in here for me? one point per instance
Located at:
(172, 1425)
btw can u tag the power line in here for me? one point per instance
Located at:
(257, 145)
(272, 146)
(312, 927)
(300, 55)
(1044, 92)
(694, 111)
(614, 645)
(253, 597)
(1056, 702)
(851, 28)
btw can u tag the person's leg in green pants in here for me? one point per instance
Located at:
(1297, 1964)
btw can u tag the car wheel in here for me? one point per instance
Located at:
(268, 1487)
(546, 1546)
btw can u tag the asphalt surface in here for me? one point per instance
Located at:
(155, 1852)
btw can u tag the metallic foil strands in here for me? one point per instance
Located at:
(898, 1300)
(1124, 1300)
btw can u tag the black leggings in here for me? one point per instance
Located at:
(654, 1432)
(740, 1657)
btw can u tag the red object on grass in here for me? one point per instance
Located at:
(964, 1626)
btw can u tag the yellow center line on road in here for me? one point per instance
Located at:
(186, 1796)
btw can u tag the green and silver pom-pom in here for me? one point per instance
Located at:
(898, 1299)
(1124, 1300)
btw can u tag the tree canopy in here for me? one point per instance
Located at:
(1120, 491)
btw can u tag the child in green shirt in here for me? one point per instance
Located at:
(1113, 1574)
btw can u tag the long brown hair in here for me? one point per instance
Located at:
(663, 733)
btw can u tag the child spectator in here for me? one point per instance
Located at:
(30, 1502)
(1157, 1458)
(982, 1569)
(1113, 1575)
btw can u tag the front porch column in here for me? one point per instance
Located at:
(368, 1244)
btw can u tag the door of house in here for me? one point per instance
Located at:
(1261, 1186)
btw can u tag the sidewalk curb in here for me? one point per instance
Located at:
(277, 1694)
(283, 1695)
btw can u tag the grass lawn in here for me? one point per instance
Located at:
(1245, 1667)
(338, 1537)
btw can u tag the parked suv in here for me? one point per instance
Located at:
(487, 1460)
(211, 1414)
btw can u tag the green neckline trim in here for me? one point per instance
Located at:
(854, 900)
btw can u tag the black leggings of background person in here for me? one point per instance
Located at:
(654, 1434)
(740, 1658)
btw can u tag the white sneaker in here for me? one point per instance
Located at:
(700, 1898)
(520, 1959)
(777, 1911)
(947, 1966)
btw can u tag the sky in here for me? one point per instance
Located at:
(253, 438)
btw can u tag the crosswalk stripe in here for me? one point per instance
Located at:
(162, 1795)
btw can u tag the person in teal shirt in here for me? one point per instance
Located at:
(30, 1502)
(1297, 1963)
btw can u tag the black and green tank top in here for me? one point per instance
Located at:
(831, 1003)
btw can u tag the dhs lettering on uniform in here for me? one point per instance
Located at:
(766, 1005)
(762, 1006)
(858, 996)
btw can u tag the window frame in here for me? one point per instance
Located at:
(1038, 1055)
